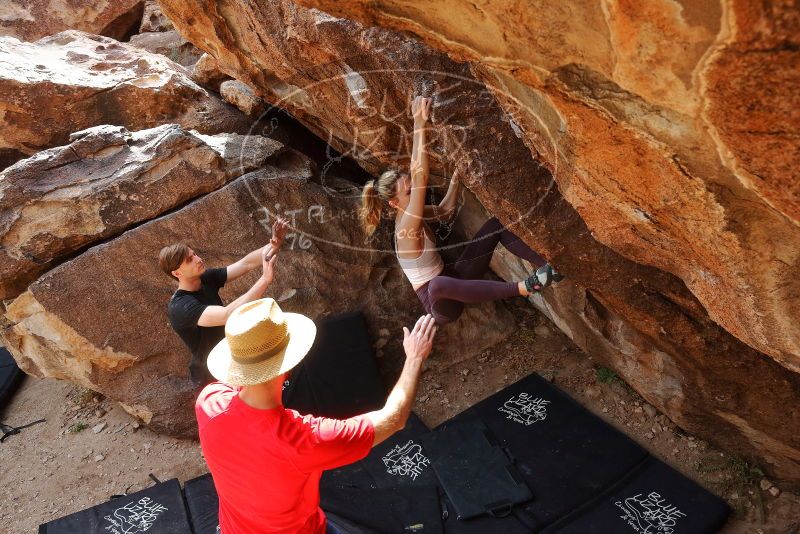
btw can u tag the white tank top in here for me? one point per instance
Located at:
(424, 268)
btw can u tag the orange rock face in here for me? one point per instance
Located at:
(596, 131)
(105, 181)
(30, 20)
(672, 127)
(99, 81)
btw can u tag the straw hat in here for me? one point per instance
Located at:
(261, 342)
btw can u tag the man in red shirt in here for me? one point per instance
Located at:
(267, 460)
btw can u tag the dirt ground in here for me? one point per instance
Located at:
(89, 448)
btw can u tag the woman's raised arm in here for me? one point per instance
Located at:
(410, 223)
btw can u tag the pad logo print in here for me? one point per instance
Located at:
(134, 517)
(406, 460)
(650, 515)
(524, 409)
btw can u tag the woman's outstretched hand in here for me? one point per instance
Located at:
(421, 109)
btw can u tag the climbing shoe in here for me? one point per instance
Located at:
(543, 277)
(557, 276)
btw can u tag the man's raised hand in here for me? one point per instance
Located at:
(278, 233)
(268, 266)
(419, 341)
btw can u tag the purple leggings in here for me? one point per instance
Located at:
(444, 296)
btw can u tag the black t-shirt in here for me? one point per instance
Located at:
(185, 309)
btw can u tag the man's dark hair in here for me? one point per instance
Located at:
(171, 257)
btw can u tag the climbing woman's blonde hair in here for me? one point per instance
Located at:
(372, 197)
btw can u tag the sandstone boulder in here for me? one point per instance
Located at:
(153, 20)
(672, 129)
(713, 385)
(240, 95)
(158, 35)
(73, 81)
(100, 320)
(29, 20)
(206, 72)
(105, 181)
(170, 44)
(627, 243)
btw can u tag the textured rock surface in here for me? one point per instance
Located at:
(98, 81)
(170, 44)
(699, 376)
(108, 179)
(240, 95)
(158, 35)
(626, 243)
(62, 325)
(153, 20)
(30, 20)
(206, 72)
(677, 129)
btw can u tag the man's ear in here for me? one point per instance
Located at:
(175, 273)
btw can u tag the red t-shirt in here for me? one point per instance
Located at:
(267, 464)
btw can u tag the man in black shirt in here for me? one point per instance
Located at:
(196, 311)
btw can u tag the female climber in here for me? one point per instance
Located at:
(442, 289)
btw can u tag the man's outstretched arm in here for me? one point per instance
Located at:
(218, 315)
(417, 345)
(253, 259)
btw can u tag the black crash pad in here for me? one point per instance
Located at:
(397, 476)
(653, 498)
(475, 472)
(203, 506)
(410, 470)
(10, 377)
(339, 376)
(345, 526)
(566, 455)
(386, 511)
(585, 475)
(481, 525)
(202, 503)
(155, 510)
(399, 461)
(355, 511)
